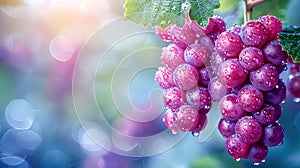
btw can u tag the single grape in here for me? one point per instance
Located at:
(254, 33)
(226, 128)
(204, 76)
(200, 125)
(219, 25)
(213, 37)
(206, 42)
(273, 24)
(250, 98)
(293, 85)
(282, 67)
(174, 97)
(257, 153)
(236, 148)
(276, 95)
(164, 78)
(185, 34)
(169, 120)
(265, 78)
(248, 129)
(268, 114)
(273, 135)
(231, 73)
(215, 25)
(196, 55)
(230, 109)
(274, 54)
(186, 76)
(228, 45)
(198, 97)
(187, 118)
(217, 90)
(172, 56)
(215, 62)
(251, 58)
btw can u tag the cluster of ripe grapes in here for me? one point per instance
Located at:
(253, 60)
(238, 67)
(185, 74)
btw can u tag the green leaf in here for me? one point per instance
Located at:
(202, 10)
(164, 12)
(290, 41)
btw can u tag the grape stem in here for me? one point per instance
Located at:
(248, 6)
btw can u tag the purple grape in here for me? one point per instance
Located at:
(248, 129)
(196, 55)
(274, 54)
(268, 114)
(213, 37)
(186, 76)
(215, 25)
(231, 73)
(169, 120)
(226, 128)
(217, 90)
(250, 98)
(236, 148)
(172, 56)
(254, 33)
(173, 97)
(206, 42)
(219, 25)
(273, 24)
(164, 78)
(257, 153)
(230, 109)
(273, 135)
(200, 125)
(276, 95)
(265, 78)
(204, 77)
(187, 118)
(185, 35)
(228, 45)
(215, 61)
(199, 97)
(251, 58)
(282, 67)
(293, 85)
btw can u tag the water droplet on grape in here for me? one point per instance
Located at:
(174, 132)
(195, 134)
(238, 159)
(296, 100)
(256, 164)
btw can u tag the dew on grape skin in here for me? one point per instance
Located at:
(256, 164)
(195, 134)
(296, 100)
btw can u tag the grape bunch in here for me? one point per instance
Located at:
(186, 73)
(293, 83)
(252, 61)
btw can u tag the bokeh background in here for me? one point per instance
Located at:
(77, 90)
